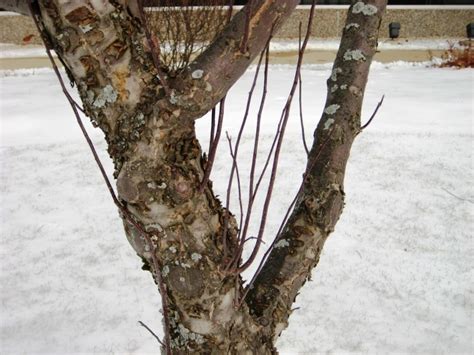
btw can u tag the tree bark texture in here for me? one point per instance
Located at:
(159, 165)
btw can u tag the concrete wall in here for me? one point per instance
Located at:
(416, 22)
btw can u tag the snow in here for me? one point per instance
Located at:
(395, 277)
(385, 44)
(8, 50)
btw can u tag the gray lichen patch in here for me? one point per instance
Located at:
(355, 54)
(86, 28)
(107, 95)
(334, 73)
(165, 271)
(154, 227)
(90, 97)
(197, 74)
(173, 98)
(196, 257)
(185, 337)
(366, 9)
(328, 124)
(352, 25)
(162, 186)
(332, 109)
(281, 244)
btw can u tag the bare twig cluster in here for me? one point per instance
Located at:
(180, 30)
(459, 56)
(233, 262)
(213, 141)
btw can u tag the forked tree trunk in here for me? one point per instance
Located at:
(159, 165)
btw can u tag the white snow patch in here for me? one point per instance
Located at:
(384, 44)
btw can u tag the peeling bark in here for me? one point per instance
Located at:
(159, 163)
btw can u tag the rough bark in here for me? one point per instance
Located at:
(159, 166)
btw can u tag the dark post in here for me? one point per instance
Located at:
(394, 30)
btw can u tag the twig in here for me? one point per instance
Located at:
(373, 115)
(257, 128)
(456, 196)
(151, 331)
(230, 10)
(286, 111)
(285, 219)
(248, 14)
(237, 174)
(243, 231)
(151, 44)
(300, 98)
(213, 129)
(213, 148)
(236, 150)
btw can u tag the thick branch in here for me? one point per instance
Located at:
(222, 64)
(321, 198)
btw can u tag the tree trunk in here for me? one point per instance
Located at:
(159, 165)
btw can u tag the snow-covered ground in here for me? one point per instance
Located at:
(384, 44)
(395, 277)
(8, 50)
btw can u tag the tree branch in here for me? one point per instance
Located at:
(220, 65)
(320, 200)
